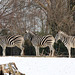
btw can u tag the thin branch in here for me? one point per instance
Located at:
(41, 4)
(6, 7)
(48, 2)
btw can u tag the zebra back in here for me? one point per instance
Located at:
(11, 40)
(60, 36)
(48, 39)
(66, 39)
(40, 40)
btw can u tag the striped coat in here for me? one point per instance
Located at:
(12, 41)
(39, 41)
(69, 41)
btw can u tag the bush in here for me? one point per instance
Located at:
(60, 48)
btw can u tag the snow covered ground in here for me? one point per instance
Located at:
(42, 65)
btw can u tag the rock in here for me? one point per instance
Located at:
(9, 69)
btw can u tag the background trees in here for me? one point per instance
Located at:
(45, 16)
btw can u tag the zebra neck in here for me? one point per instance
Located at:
(63, 39)
(31, 38)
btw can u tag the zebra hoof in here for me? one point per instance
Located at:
(4, 55)
(22, 55)
(50, 55)
(37, 55)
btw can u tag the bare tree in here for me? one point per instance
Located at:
(57, 11)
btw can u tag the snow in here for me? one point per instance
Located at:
(42, 65)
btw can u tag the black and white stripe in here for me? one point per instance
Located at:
(69, 41)
(12, 41)
(46, 39)
(41, 41)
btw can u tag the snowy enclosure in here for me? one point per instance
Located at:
(42, 66)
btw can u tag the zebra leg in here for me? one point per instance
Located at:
(69, 51)
(53, 50)
(22, 51)
(37, 50)
(50, 51)
(4, 50)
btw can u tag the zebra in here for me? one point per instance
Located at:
(12, 41)
(38, 41)
(69, 41)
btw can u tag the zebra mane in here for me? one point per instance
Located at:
(63, 33)
(30, 35)
(30, 32)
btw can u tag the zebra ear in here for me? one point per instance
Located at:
(60, 31)
(27, 31)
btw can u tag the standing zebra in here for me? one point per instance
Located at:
(69, 41)
(38, 41)
(12, 41)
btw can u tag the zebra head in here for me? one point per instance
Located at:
(58, 36)
(28, 35)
